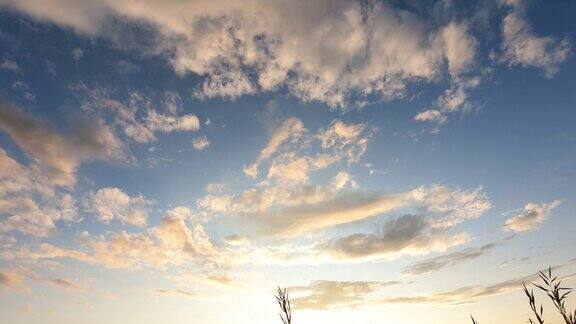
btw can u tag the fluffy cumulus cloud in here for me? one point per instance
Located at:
(335, 52)
(200, 143)
(530, 217)
(170, 243)
(111, 203)
(29, 203)
(523, 47)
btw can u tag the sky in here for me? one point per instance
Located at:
(386, 161)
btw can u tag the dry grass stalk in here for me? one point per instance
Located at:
(283, 300)
(553, 288)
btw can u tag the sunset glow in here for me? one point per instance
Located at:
(176, 161)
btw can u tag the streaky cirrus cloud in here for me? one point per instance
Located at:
(60, 282)
(175, 292)
(368, 294)
(448, 260)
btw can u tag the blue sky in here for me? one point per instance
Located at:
(162, 161)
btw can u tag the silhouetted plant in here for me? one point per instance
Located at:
(473, 320)
(283, 300)
(539, 312)
(553, 288)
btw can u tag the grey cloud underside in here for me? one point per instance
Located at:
(56, 154)
(65, 284)
(448, 260)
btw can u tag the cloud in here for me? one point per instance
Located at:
(112, 203)
(531, 217)
(324, 294)
(12, 279)
(335, 52)
(294, 152)
(58, 156)
(10, 66)
(77, 54)
(140, 118)
(522, 47)
(454, 99)
(65, 284)
(463, 294)
(170, 243)
(200, 143)
(448, 260)
(28, 201)
(406, 235)
(288, 212)
(327, 294)
(291, 128)
(175, 292)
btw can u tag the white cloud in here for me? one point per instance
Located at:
(140, 119)
(28, 201)
(328, 51)
(112, 203)
(523, 47)
(200, 143)
(323, 294)
(294, 152)
(531, 217)
(431, 115)
(171, 243)
(293, 211)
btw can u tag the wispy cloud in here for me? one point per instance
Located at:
(523, 47)
(448, 260)
(530, 217)
(324, 294)
(65, 284)
(175, 292)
